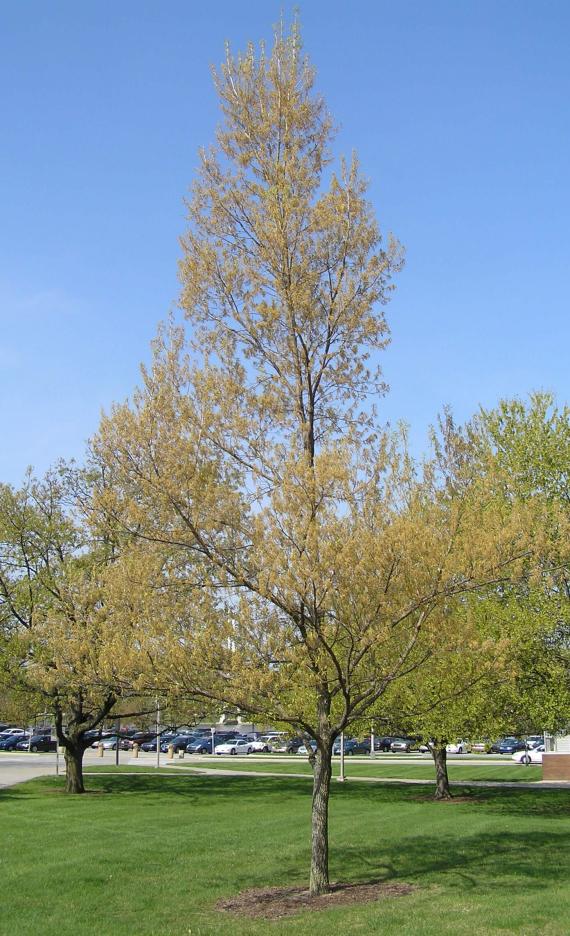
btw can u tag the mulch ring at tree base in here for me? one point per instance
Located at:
(271, 903)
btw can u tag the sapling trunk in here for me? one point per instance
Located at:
(442, 789)
(319, 880)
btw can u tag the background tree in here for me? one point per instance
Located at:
(60, 649)
(532, 445)
(465, 690)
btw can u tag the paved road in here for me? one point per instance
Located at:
(16, 768)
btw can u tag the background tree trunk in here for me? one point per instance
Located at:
(74, 768)
(442, 790)
(319, 881)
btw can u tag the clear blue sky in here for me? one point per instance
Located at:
(459, 112)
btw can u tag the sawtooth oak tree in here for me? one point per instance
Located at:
(306, 565)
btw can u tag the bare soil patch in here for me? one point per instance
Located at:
(271, 903)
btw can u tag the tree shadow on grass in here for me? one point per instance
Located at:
(540, 802)
(190, 786)
(490, 861)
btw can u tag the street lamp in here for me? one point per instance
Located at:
(158, 732)
(342, 777)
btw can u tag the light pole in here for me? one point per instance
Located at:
(342, 777)
(118, 736)
(213, 730)
(158, 733)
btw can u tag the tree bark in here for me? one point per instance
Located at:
(319, 880)
(74, 768)
(442, 790)
(72, 736)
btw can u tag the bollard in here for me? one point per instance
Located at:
(181, 754)
(100, 751)
(170, 751)
(135, 749)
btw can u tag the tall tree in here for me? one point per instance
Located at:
(306, 564)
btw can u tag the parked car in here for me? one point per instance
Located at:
(260, 746)
(457, 747)
(404, 745)
(303, 749)
(534, 741)
(384, 742)
(142, 737)
(200, 746)
(285, 745)
(271, 741)
(11, 742)
(178, 742)
(10, 732)
(109, 743)
(236, 746)
(507, 746)
(37, 743)
(352, 746)
(380, 743)
(531, 756)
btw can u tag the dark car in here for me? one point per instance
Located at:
(40, 742)
(201, 745)
(381, 743)
(143, 737)
(507, 746)
(178, 742)
(351, 747)
(11, 743)
(384, 742)
(149, 745)
(94, 735)
(288, 745)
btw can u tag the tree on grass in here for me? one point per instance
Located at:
(462, 692)
(306, 564)
(531, 441)
(63, 648)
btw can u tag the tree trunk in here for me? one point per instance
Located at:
(74, 768)
(319, 881)
(442, 790)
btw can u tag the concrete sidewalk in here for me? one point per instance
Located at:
(212, 771)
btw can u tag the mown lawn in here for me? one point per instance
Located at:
(353, 768)
(149, 854)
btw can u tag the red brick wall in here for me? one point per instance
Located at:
(556, 766)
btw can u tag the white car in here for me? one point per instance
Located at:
(260, 745)
(460, 747)
(237, 746)
(533, 756)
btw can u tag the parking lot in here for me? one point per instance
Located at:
(16, 768)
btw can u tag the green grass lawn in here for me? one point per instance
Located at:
(150, 854)
(398, 770)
